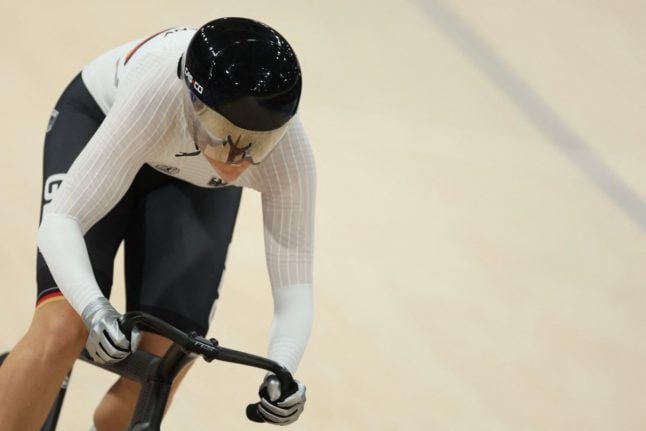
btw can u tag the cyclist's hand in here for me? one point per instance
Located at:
(106, 344)
(277, 408)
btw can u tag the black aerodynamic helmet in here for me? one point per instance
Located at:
(245, 85)
(244, 70)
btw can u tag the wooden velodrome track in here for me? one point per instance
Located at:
(480, 257)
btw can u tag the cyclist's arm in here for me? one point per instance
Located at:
(95, 182)
(288, 215)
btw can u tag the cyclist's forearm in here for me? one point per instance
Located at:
(60, 240)
(291, 325)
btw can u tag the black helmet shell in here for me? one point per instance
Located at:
(244, 70)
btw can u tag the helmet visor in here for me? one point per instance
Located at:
(231, 144)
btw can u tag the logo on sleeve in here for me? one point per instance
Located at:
(52, 120)
(52, 184)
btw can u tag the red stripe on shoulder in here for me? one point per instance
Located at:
(139, 45)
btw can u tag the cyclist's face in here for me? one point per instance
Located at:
(228, 172)
(230, 143)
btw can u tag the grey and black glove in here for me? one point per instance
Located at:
(277, 408)
(106, 344)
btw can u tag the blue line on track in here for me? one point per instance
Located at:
(537, 111)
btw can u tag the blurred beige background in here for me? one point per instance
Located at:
(480, 257)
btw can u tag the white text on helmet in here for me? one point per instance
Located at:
(193, 82)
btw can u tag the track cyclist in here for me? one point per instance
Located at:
(151, 144)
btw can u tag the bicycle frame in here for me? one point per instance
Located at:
(156, 374)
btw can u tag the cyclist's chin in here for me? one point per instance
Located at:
(227, 172)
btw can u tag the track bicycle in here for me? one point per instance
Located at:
(156, 374)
